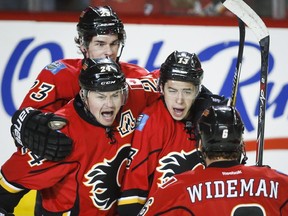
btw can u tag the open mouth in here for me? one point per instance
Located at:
(108, 116)
(178, 112)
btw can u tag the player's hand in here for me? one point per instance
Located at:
(4, 213)
(39, 133)
(218, 100)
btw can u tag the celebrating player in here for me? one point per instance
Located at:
(101, 121)
(100, 34)
(225, 187)
(164, 140)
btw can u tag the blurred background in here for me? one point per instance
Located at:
(37, 32)
(276, 9)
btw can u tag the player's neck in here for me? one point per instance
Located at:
(210, 161)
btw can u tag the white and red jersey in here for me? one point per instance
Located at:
(222, 190)
(58, 83)
(88, 181)
(161, 148)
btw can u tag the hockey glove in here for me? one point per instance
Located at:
(204, 102)
(4, 213)
(39, 133)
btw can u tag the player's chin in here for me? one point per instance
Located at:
(107, 121)
(177, 115)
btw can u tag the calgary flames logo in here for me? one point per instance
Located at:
(105, 179)
(177, 162)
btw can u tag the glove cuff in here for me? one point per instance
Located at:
(19, 120)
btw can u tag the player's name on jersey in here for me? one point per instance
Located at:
(233, 188)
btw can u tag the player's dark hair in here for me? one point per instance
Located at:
(212, 155)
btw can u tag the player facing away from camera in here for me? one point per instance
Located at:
(164, 140)
(100, 124)
(225, 187)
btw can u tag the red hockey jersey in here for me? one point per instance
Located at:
(88, 181)
(58, 83)
(234, 190)
(161, 148)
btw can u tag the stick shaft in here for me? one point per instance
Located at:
(264, 48)
(237, 73)
(256, 24)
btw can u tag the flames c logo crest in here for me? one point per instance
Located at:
(177, 162)
(105, 179)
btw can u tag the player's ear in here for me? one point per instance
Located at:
(200, 144)
(83, 95)
(84, 50)
(161, 87)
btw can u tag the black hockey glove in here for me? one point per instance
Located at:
(4, 213)
(203, 102)
(39, 133)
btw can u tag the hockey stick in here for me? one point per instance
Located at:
(236, 77)
(255, 23)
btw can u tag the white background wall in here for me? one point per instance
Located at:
(149, 45)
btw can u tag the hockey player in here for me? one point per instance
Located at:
(100, 124)
(100, 34)
(225, 187)
(164, 140)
